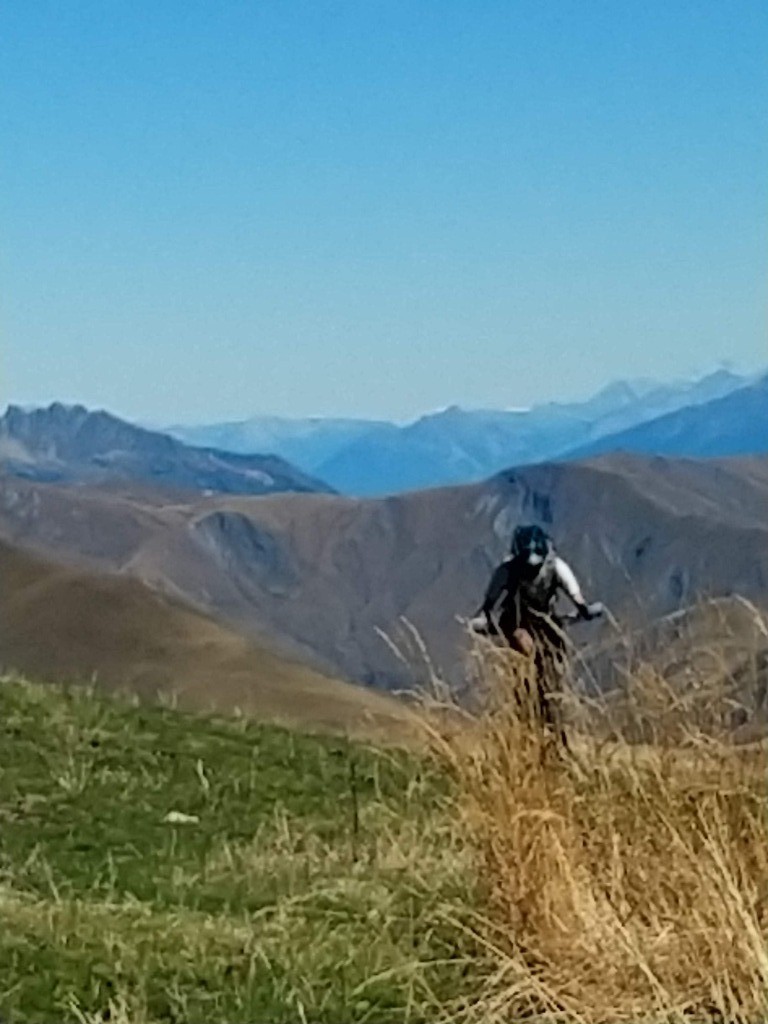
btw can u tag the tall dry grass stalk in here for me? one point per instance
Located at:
(623, 881)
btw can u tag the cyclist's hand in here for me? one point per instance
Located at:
(483, 625)
(593, 611)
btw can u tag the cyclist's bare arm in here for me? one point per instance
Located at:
(568, 583)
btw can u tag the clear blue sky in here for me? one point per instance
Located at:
(377, 207)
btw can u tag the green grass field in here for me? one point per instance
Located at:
(298, 878)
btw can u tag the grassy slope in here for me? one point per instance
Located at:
(322, 881)
(272, 905)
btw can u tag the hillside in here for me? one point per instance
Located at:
(71, 444)
(736, 424)
(66, 625)
(325, 576)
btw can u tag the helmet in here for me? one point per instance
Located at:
(530, 544)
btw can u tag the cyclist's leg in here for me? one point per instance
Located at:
(519, 639)
(550, 661)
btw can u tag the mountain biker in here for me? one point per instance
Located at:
(525, 588)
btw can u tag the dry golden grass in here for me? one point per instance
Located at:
(622, 881)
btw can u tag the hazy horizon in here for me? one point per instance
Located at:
(373, 211)
(723, 365)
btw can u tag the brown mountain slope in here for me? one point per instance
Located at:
(325, 575)
(62, 624)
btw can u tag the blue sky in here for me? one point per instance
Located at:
(375, 207)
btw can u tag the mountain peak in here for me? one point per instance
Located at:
(72, 444)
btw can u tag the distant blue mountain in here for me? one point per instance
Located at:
(307, 443)
(624, 404)
(454, 446)
(736, 424)
(458, 446)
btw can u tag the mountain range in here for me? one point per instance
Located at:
(720, 414)
(70, 444)
(735, 424)
(454, 445)
(336, 581)
(239, 579)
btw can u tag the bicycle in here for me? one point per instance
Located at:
(543, 642)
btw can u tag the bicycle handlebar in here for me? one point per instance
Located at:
(597, 611)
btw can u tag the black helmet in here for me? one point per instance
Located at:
(531, 544)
